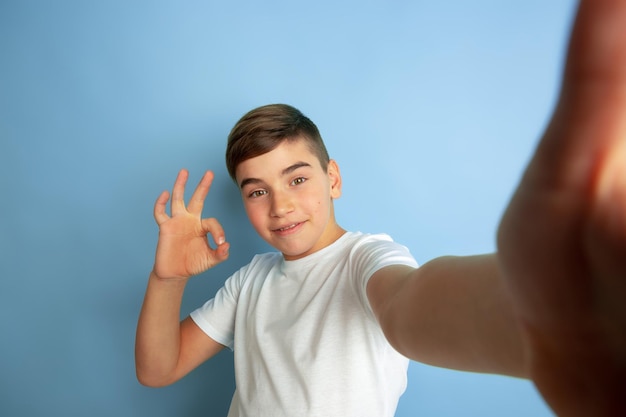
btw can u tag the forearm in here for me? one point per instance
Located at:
(157, 344)
(454, 312)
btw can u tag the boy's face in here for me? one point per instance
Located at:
(288, 198)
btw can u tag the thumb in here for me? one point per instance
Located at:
(588, 126)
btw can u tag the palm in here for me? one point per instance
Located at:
(183, 249)
(562, 241)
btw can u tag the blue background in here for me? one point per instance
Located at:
(432, 110)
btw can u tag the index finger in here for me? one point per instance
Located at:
(196, 203)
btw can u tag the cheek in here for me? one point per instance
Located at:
(320, 204)
(320, 207)
(254, 215)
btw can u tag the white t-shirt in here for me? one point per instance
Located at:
(305, 340)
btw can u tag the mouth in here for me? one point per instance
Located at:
(287, 229)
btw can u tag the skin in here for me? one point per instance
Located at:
(562, 241)
(452, 312)
(288, 199)
(166, 350)
(549, 305)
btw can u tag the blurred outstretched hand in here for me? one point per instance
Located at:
(562, 240)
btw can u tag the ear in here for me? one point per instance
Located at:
(335, 179)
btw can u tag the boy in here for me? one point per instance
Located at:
(323, 327)
(302, 322)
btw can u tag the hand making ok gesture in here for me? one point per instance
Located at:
(183, 248)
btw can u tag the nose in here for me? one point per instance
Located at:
(282, 204)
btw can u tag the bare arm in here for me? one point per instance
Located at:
(452, 312)
(166, 349)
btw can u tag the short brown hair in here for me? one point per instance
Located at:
(261, 130)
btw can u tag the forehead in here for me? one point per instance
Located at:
(275, 161)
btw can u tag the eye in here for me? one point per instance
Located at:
(298, 181)
(257, 193)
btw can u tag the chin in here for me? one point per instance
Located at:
(295, 254)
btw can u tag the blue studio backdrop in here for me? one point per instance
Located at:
(431, 109)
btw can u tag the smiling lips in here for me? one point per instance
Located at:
(287, 229)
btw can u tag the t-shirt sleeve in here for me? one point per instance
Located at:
(371, 254)
(216, 317)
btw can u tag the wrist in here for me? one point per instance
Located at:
(154, 276)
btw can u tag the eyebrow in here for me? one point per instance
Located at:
(286, 171)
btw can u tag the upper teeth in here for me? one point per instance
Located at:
(287, 227)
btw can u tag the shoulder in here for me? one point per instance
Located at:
(351, 240)
(370, 252)
(380, 243)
